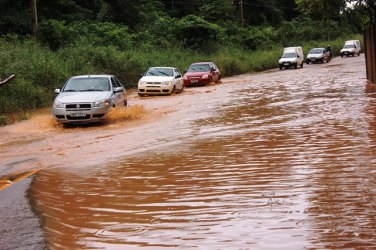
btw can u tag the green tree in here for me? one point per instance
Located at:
(218, 10)
(324, 10)
(260, 12)
(15, 17)
(367, 10)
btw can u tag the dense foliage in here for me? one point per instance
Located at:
(125, 37)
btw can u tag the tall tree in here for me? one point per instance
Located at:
(367, 8)
(15, 16)
(324, 10)
(218, 10)
(260, 12)
(135, 13)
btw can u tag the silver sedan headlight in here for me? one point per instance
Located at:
(58, 104)
(166, 83)
(102, 103)
(141, 82)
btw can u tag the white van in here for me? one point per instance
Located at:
(292, 57)
(351, 47)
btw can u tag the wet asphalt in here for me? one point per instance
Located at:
(20, 227)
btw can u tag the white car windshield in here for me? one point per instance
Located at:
(159, 72)
(349, 46)
(316, 51)
(87, 84)
(289, 55)
(199, 68)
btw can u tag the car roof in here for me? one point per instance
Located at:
(162, 68)
(92, 76)
(317, 48)
(202, 63)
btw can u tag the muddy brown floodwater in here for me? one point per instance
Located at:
(275, 160)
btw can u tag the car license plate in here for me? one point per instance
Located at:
(80, 114)
(194, 81)
(286, 64)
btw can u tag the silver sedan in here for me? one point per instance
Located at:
(88, 98)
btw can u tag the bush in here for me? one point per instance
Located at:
(3, 120)
(58, 34)
(55, 34)
(198, 34)
(258, 38)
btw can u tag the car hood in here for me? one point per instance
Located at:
(156, 78)
(72, 97)
(348, 49)
(291, 59)
(315, 55)
(197, 73)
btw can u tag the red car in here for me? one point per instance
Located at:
(202, 73)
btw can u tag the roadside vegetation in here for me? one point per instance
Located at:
(82, 37)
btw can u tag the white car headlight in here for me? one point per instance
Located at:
(141, 82)
(166, 83)
(205, 76)
(58, 104)
(102, 103)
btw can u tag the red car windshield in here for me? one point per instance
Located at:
(199, 68)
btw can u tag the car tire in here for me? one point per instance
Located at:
(296, 66)
(125, 103)
(210, 80)
(280, 68)
(173, 90)
(301, 65)
(140, 95)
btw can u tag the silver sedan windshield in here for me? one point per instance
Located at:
(87, 84)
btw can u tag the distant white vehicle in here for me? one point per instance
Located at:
(160, 81)
(351, 47)
(292, 57)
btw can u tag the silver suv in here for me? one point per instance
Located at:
(88, 98)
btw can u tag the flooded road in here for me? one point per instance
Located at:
(275, 160)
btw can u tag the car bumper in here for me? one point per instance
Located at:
(196, 82)
(314, 59)
(288, 64)
(95, 114)
(155, 90)
(347, 52)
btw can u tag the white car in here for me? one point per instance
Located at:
(160, 81)
(292, 57)
(351, 47)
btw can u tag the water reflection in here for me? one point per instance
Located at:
(276, 163)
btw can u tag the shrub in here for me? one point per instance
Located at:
(55, 34)
(198, 34)
(58, 34)
(257, 38)
(3, 120)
